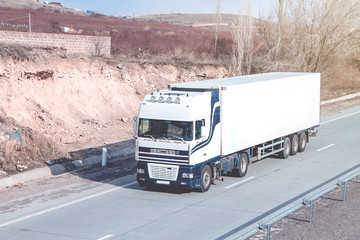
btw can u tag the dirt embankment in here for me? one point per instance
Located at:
(58, 103)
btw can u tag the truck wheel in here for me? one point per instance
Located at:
(287, 148)
(294, 144)
(243, 165)
(302, 142)
(205, 178)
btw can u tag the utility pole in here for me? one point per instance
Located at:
(218, 22)
(29, 22)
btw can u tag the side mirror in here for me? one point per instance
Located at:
(203, 131)
(135, 126)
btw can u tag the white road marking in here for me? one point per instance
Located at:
(328, 146)
(65, 205)
(106, 237)
(243, 181)
(345, 116)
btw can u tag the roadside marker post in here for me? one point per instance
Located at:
(104, 157)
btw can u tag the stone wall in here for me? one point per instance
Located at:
(89, 45)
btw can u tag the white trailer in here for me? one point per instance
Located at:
(194, 132)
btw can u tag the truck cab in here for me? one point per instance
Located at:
(177, 132)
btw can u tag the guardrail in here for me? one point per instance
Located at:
(267, 219)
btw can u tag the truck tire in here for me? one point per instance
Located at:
(294, 144)
(285, 153)
(302, 142)
(205, 178)
(243, 165)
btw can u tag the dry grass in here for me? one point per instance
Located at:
(131, 39)
(27, 150)
(342, 78)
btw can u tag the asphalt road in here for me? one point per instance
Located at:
(114, 207)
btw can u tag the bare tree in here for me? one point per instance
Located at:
(318, 30)
(280, 14)
(242, 55)
(98, 46)
(55, 26)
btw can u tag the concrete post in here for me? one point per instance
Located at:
(311, 211)
(104, 157)
(345, 190)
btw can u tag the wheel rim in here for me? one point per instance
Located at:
(296, 146)
(302, 143)
(206, 179)
(243, 165)
(287, 148)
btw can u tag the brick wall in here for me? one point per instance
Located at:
(89, 45)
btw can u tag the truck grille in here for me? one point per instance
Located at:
(164, 172)
(166, 156)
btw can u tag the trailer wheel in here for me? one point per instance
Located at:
(302, 142)
(243, 165)
(205, 178)
(285, 153)
(294, 144)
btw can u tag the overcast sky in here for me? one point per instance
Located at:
(144, 7)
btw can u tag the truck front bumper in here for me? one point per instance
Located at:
(144, 180)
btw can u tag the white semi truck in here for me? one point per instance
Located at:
(193, 132)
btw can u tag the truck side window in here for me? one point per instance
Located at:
(198, 125)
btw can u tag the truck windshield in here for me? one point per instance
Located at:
(165, 129)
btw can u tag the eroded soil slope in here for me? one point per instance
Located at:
(73, 102)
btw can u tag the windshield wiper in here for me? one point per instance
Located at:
(178, 138)
(165, 139)
(147, 135)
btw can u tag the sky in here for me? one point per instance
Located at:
(144, 7)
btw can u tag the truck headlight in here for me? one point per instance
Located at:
(188, 175)
(141, 171)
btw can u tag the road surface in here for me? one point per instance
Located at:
(113, 206)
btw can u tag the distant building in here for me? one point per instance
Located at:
(65, 29)
(56, 3)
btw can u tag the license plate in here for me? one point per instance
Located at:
(163, 182)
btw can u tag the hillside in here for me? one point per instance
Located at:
(129, 39)
(63, 103)
(195, 20)
(38, 5)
